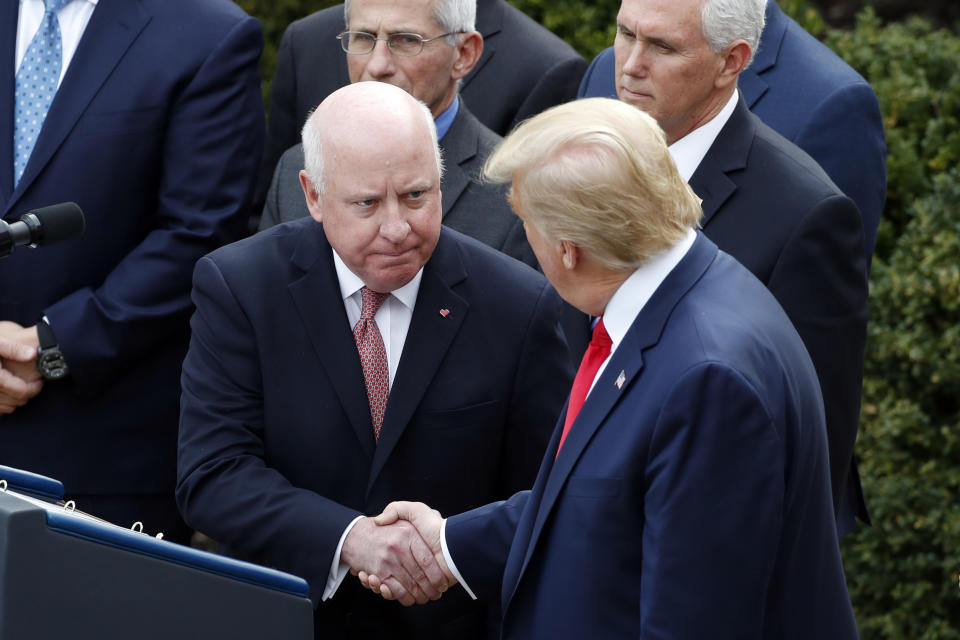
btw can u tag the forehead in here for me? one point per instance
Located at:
(678, 18)
(391, 15)
(365, 155)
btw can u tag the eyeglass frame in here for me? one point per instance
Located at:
(344, 42)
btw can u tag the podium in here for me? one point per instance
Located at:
(64, 574)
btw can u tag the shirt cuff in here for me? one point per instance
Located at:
(338, 570)
(449, 559)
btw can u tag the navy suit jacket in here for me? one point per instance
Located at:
(277, 453)
(690, 501)
(770, 206)
(524, 69)
(156, 132)
(479, 210)
(810, 96)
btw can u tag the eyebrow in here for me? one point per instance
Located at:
(389, 32)
(654, 40)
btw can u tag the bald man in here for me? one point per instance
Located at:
(358, 356)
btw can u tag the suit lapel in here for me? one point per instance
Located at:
(428, 339)
(317, 297)
(113, 27)
(459, 146)
(726, 155)
(751, 82)
(627, 361)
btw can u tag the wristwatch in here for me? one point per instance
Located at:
(50, 360)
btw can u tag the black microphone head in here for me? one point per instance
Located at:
(57, 222)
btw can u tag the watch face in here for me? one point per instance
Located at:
(52, 365)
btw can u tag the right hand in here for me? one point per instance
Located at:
(400, 558)
(428, 523)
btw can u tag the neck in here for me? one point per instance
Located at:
(599, 289)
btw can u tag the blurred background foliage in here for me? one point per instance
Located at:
(902, 572)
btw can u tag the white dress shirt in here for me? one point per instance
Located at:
(688, 151)
(622, 309)
(73, 18)
(393, 319)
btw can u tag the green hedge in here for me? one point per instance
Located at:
(902, 572)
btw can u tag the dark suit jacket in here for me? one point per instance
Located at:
(807, 94)
(523, 70)
(480, 211)
(693, 501)
(277, 453)
(156, 132)
(771, 207)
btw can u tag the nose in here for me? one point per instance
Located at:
(636, 64)
(394, 228)
(381, 63)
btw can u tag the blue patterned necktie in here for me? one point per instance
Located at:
(37, 81)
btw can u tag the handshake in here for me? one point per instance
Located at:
(398, 554)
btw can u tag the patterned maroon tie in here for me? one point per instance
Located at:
(373, 356)
(597, 352)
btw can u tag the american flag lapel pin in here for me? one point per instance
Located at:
(621, 379)
(444, 312)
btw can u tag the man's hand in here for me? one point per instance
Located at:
(428, 523)
(399, 557)
(19, 378)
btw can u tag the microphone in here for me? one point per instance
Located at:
(42, 226)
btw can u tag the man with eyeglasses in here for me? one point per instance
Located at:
(426, 48)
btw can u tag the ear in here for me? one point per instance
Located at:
(735, 60)
(311, 196)
(469, 51)
(569, 254)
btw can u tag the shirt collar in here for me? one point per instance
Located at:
(630, 298)
(445, 119)
(688, 151)
(350, 283)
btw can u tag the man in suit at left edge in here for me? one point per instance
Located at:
(155, 128)
(293, 427)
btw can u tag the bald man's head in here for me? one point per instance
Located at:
(372, 178)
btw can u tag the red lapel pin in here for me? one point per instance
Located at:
(444, 312)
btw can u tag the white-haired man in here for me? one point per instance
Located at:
(425, 47)
(765, 202)
(293, 426)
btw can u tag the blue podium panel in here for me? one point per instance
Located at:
(68, 575)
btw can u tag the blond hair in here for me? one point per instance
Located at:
(597, 173)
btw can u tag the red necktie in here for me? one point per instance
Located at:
(597, 351)
(373, 356)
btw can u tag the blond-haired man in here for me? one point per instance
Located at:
(685, 492)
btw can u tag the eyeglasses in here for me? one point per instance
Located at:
(402, 44)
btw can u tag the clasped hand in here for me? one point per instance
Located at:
(398, 553)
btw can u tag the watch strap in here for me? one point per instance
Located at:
(45, 334)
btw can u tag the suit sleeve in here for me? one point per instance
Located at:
(479, 542)
(224, 486)
(542, 382)
(212, 146)
(598, 80)
(828, 307)
(844, 134)
(271, 207)
(713, 509)
(283, 131)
